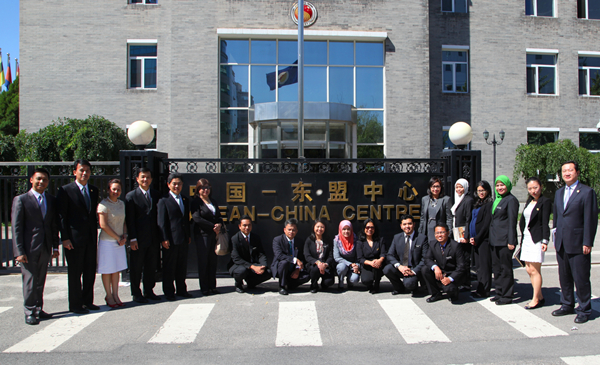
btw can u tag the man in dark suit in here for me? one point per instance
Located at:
(406, 257)
(35, 240)
(174, 230)
(286, 265)
(576, 222)
(248, 258)
(444, 266)
(141, 215)
(77, 203)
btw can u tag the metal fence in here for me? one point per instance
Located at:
(14, 180)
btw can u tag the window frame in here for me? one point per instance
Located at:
(142, 2)
(141, 42)
(591, 131)
(450, 48)
(544, 16)
(547, 52)
(584, 3)
(454, 7)
(587, 72)
(555, 131)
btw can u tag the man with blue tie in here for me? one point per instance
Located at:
(576, 222)
(174, 229)
(286, 265)
(35, 240)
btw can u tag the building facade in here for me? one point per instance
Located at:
(199, 71)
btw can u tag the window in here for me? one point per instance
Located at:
(446, 142)
(539, 7)
(541, 73)
(589, 138)
(142, 66)
(589, 74)
(542, 136)
(454, 6)
(455, 70)
(588, 9)
(143, 1)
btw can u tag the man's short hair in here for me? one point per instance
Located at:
(406, 216)
(41, 170)
(82, 162)
(444, 226)
(144, 170)
(245, 216)
(293, 221)
(174, 175)
(574, 164)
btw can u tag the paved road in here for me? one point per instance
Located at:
(352, 327)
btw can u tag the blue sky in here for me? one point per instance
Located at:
(9, 33)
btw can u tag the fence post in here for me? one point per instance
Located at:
(464, 164)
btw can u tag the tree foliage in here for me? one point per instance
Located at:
(545, 162)
(8, 152)
(9, 110)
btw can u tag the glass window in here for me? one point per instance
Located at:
(142, 66)
(369, 87)
(289, 132)
(589, 140)
(315, 131)
(370, 152)
(589, 76)
(541, 74)
(143, 1)
(263, 52)
(234, 86)
(315, 53)
(341, 53)
(588, 9)
(288, 52)
(454, 6)
(235, 51)
(369, 127)
(539, 7)
(541, 137)
(447, 143)
(341, 85)
(268, 132)
(233, 151)
(455, 71)
(288, 83)
(315, 84)
(261, 92)
(337, 132)
(234, 125)
(369, 54)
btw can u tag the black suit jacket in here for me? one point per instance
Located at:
(141, 217)
(311, 255)
(503, 229)
(417, 253)
(281, 251)
(482, 224)
(173, 226)
(77, 224)
(31, 231)
(249, 254)
(462, 216)
(366, 252)
(452, 262)
(539, 220)
(577, 224)
(203, 217)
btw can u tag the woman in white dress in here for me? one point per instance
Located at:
(535, 235)
(112, 257)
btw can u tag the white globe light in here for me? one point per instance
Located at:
(140, 133)
(460, 133)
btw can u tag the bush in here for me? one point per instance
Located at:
(8, 151)
(9, 110)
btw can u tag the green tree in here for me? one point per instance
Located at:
(369, 129)
(9, 109)
(8, 151)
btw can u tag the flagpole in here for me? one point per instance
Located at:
(300, 78)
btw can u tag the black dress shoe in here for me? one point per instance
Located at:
(539, 304)
(185, 295)
(453, 298)
(170, 298)
(44, 315)
(239, 290)
(31, 320)
(79, 311)
(563, 311)
(503, 301)
(581, 318)
(434, 298)
(139, 299)
(282, 291)
(92, 306)
(205, 293)
(479, 295)
(495, 298)
(215, 291)
(152, 296)
(314, 290)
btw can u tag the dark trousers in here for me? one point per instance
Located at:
(82, 261)
(142, 264)
(175, 269)
(370, 276)
(402, 283)
(207, 261)
(435, 286)
(574, 271)
(34, 280)
(240, 273)
(284, 272)
(483, 260)
(504, 280)
(467, 248)
(327, 279)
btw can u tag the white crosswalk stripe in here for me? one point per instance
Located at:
(298, 325)
(4, 309)
(582, 360)
(55, 334)
(412, 323)
(184, 324)
(522, 320)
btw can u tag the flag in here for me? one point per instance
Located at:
(1, 73)
(286, 76)
(17, 62)
(8, 77)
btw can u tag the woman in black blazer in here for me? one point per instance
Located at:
(318, 253)
(435, 207)
(503, 240)
(370, 251)
(207, 219)
(479, 234)
(461, 211)
(535, 235)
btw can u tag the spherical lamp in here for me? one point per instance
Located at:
(460, 134)
(140, 133)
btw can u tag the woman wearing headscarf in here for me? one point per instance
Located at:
(503, 240)
(344, 254)
(535, 235)
(479, 233)
(461, 210)
(435, 207)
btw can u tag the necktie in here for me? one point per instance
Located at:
(567, 195)
(406, 251)
(247, 243)
(442, 247)
(291, 248)
(86, 197)
(147, 195)
(180, 202)
(42, 206)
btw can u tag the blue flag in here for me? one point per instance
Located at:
(286, 76)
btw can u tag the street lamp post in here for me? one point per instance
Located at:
(494, 143)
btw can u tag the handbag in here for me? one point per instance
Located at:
(222, 246)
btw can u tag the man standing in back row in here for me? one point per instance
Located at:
(576, 222)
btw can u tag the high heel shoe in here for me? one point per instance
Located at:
(539, 304)
(119, 303)
(110, 305)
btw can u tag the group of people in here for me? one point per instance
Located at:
(485, 228)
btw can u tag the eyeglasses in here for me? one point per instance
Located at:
(369, 227)
(480, 191)
(436, 187)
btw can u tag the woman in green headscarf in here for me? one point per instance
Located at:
(503, 239)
